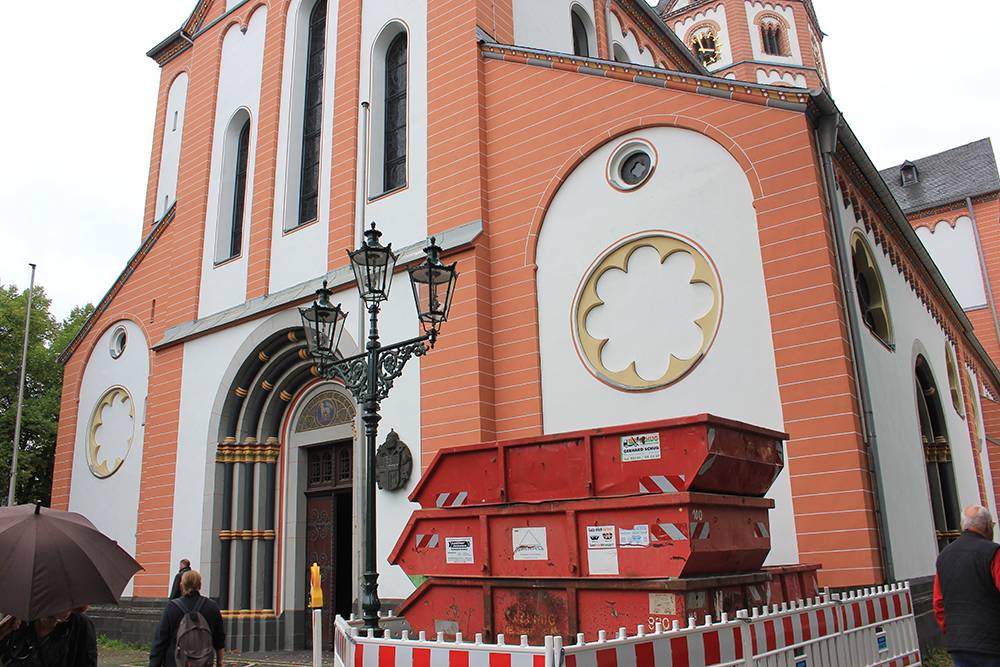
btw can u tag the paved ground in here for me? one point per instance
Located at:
(124, 658)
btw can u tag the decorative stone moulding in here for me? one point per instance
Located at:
(111, 406)
(591, 346)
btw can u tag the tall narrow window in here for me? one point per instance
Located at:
(581, 43)
(240, 190)
(937, 456)
(394, 158)
(770, 33)
(312, 121)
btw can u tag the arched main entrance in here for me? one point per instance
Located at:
(285, 458)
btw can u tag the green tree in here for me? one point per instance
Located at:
(42, 388)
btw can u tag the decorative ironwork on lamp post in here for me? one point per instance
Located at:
(370, 375)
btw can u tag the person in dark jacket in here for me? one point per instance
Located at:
(175, 590)
(967, 592)
(67, 639)
(165, 641)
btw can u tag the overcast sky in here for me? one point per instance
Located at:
(79, 101)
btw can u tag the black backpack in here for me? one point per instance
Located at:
(194, 638)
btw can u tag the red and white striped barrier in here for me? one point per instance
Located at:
(868, 628)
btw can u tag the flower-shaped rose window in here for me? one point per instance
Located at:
(647, 312)
(112, 428)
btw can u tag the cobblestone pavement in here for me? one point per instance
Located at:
(109, 658)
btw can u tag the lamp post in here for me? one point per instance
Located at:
(369, 375)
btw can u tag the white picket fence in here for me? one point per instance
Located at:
(868, 628)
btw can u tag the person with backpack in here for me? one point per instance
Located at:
(190, 633)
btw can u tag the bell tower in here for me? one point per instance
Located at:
(761, 41)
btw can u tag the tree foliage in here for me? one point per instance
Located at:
(47, 338)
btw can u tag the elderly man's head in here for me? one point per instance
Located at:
(978, 520)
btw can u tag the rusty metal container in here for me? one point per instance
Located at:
(654, 536)
(565, 607)
(793, 582)
(702, 453)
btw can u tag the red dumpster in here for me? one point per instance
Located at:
(701, 453)
(565, 607)
(793, 582)
(666, 535)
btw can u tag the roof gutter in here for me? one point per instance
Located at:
(846, 137)
(828, 128)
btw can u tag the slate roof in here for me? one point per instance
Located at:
(965, 171)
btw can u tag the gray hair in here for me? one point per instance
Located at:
(977, 518)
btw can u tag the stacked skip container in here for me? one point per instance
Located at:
(593, 530)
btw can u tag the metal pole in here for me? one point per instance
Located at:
(370, 603)
(20, 392)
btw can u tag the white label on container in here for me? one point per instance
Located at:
(530, 543)
(644, 447)
(634, 537)
(600, 537)
(602, 561)
(458, 550)
(663, 604)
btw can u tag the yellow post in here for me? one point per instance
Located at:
(316, 594)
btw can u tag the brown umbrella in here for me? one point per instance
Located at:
(52, 561)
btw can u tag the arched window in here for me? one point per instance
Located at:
(937, 456)
(581, 40)
(394, 154)
(239, 190)
(312, 115)
(871, 293)
(953, 383)
(620, 54)
(771, 38)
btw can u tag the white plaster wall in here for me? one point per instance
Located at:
(955, 251)
(224, 286)
(170, 153)
(300, 254)
(205, 362)
(893, 391)
(636, 54)
(718, 15)
(546, 25)
(89, 495)
(786, 77)
(700, 191)
(402, 214)
(755, 8)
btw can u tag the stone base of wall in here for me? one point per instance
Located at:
(923, 611)
(133, 621)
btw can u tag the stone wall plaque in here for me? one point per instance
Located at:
(393, 463)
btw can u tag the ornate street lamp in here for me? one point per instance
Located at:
(370, 375)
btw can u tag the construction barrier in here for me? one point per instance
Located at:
(869, 628)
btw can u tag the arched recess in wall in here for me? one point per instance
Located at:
(170, 151)
(774, 37)
(937, 455)
(252, 417)
(233, 202)
(870, 290)
(954, 385)
(584, 33)
(620, 54)
(661, 258)
(305, 113)
(389, 121)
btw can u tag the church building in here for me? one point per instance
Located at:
(655, 212)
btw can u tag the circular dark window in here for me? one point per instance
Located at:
(635, 168)
(118, 341)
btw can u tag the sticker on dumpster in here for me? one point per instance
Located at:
(458, 550)
(663, 604)
(602, 561)
(530, 544)
(634, 537)
(600, 537)
(645, 447)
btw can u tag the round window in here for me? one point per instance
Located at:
(631, 164)
(119, 338)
